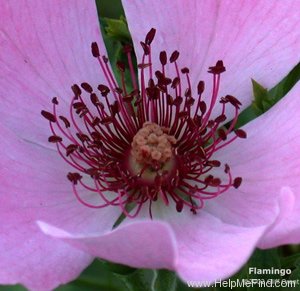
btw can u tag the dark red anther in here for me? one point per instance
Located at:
(107, 120)
(222, 134)
(151, 83)
(170, 99)
(54, 100)
(214, 163)
(74, 177)
(175, 82)
(221, 118)
(177, 101)
(127, 48)
(144, 66)
(115, 108)
(240, 133)
(190, 101)
(163, 58)
(183, 114)
(104, 90)
(105, 59)
(167, 81)
(159, 75)
(210, 124)
(185, 70)
(215, 182)
(227, 168)
(200, 87)
(237, 182)
(71, 149)
(121, 66)
(49, 116)
(145, 48)
(96, 121)
(87, 87)
(153, 92)
(208, 179)
(150, 36)
(95, 50)
(76, 90)
(218, 68)
(174, 56)
(235, 102)
(80, 107)
(118, 90)
(179, 206)
(198, 121)
(54, 139)
(203, 107)
(65, 121)
(94, 99)
(82, 137)
(95, 135)
(188, 92)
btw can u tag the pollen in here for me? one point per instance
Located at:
(152, 145)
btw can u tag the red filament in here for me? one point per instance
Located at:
(96, 138)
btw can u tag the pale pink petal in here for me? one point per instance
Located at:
(255, 39)
(33, 259)
(287, 229)
(35, 183)
(267, 160)
(141, 244)
(45, 49)
(198, 247)
(209, 249)
(34, 186)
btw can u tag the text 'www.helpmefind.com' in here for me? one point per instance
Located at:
(253, 282)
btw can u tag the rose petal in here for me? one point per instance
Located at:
(33, 259)
(141, 244)
(34, 186)
(45, 49)
(255, 39)
(286, 230)
(187, 243)
(267, 160)
(210, 249)
(36, 183)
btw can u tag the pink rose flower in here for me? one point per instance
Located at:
(48, 237)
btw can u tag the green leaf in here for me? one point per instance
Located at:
(140, 280)
(284, 86)
(12, 288)
(96, 277)
(150, 280)
(264, 259)
(111, 8)
(264, 99)
(294, 278)
(260, 93)
(118, 268)
(117, 29)
(290, 261)
(165, 280)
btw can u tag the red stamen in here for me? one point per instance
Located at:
(108, 149)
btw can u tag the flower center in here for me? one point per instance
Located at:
(151, 156)
(153, 144)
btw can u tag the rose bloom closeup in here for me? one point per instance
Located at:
(156, 176)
